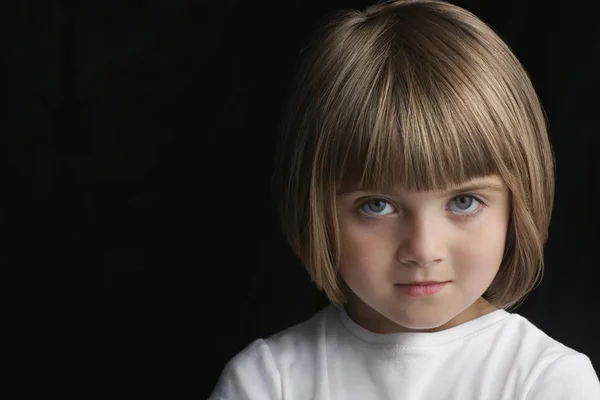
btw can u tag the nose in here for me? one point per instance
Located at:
(423, 243)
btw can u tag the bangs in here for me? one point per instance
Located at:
(416, 124)
(430, 139)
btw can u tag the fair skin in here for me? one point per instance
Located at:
(393, 239)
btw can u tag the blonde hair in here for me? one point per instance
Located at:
(417, 93)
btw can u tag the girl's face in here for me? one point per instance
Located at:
(393, 243)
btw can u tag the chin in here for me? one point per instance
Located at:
(427, 326)
(423, 323)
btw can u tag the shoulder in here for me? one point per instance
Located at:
(555, 371)
(256, 371)
(569, 376)
(535, 343)
(302, 337)
(250, 374)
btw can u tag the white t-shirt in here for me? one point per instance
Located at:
(329, 357)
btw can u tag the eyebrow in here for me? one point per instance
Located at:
(495, 187)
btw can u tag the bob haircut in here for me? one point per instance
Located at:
(420, 94)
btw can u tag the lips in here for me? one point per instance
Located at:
(422, 288)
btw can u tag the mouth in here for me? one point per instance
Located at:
(423, 283)
(422, 288)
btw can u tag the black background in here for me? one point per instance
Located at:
(140, 246)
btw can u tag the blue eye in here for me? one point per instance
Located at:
(377, 207)
(465, 204)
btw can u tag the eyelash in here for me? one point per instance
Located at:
(482, 205)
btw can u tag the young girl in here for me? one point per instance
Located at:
(415, 179)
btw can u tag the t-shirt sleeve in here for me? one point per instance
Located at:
(250, 375)
(570, 377)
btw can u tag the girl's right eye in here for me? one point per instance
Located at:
(377, 208)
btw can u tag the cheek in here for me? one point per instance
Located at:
(352, 248)
(362, 251)
(481, 254)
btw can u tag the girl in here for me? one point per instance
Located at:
(415, 179)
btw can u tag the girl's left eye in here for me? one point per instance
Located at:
(465, 205)
(377, 207)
